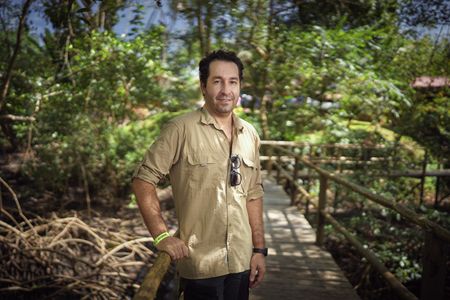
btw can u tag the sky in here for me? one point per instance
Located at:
(157, 15)
(153, 15)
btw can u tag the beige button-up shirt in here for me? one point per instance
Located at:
(212, 214)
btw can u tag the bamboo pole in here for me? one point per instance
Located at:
(422, 178)
(293, 182)
(152, 280)
(322, 206)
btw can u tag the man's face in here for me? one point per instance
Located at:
(222, 88)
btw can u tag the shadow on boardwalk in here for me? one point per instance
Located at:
(296, 267)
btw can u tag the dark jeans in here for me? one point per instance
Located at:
(227, 287)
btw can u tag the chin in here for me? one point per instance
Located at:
(225, 111)
(225, 108)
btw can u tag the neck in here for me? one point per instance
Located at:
(224, 119)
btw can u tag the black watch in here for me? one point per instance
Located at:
(263, 251)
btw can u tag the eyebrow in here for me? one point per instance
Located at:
(220, 77)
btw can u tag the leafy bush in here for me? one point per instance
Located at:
(107, 154)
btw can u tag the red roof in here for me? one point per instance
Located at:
(430, 82)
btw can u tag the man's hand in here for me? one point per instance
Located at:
(257, 269)
(174, 247)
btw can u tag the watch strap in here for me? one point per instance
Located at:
(263, 251)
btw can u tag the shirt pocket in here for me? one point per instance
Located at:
(248, 169)
(202, 169)
(249, 163)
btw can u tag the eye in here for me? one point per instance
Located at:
(234, 82)
(216, 81)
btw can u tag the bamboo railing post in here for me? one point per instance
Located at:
(278, 167)
(337, 186)
(436, 189)
(308, 180)
(310, 157)
(320, 208)
(336, 197)
(434, 268)
(269, 161)
(294, 177)
(422, 178)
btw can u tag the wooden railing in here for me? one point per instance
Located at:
(437, 238)
(374, 160)
(151, 282)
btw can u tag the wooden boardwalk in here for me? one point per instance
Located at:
(296, 267)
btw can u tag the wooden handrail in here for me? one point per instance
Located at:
(367, 253)
(372, 258)
(405, 212)
(150, 285)
(436, 235)
(304, 144)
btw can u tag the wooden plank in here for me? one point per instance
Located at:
(296, 267)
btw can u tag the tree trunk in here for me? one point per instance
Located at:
(4, 123)
(8, 74)
(265, 99)
(208, 24)
(200, 28)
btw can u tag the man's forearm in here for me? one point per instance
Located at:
(148, 204)
(255, 217)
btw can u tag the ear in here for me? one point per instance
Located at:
(203, 88)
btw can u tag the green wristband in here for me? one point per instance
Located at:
(160, 237)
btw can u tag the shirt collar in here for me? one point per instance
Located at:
(207, 119)
(238, 123)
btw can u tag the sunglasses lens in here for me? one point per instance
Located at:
(235, 162)
(235, 177)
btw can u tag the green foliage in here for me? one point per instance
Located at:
(354, 14)
(337, 67)
(331, 73)
(127, 144)
(109, 68)
(397, 245)
(108, 153)
(32, 67)
(87, 129)
(343, 78)
(427, 122)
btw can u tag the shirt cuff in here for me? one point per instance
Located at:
(256, 193)
(144, 173)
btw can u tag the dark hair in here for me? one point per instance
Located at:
(203, 66)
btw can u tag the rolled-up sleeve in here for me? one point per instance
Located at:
(256, 189)
(161, 156)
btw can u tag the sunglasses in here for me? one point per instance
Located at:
(235, 176)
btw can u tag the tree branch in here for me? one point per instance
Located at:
(16, 118)
(8, 74)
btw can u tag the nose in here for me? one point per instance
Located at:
(226, 88)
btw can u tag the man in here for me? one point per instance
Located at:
(212, 159)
